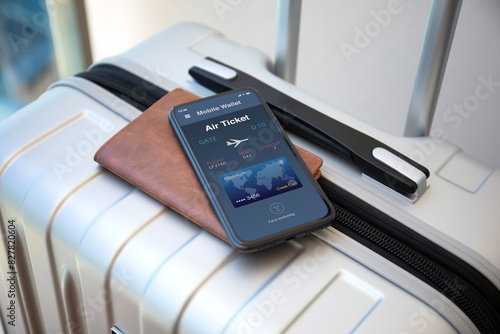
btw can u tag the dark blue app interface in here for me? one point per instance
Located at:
(248, 164)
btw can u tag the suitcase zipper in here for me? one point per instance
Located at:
(473, 293)
(462, 284)
(140, 93)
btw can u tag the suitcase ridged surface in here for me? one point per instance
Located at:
(99, 252)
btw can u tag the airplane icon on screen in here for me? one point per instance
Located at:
(235, 142)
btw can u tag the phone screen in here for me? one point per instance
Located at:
(248, 166)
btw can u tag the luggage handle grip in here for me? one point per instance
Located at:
(393, 169)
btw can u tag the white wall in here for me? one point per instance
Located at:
(374, 83)
(117, 25)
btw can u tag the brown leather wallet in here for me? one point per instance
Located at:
(148, 154)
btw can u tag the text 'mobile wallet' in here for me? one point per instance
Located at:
(148, 154)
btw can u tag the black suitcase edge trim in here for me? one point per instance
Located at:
(461, 283)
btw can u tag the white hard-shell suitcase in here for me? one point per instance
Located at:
(94, 254)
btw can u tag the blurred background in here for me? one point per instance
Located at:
(349, 53)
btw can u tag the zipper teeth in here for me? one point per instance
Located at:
(404, 237)
(120, 87)
(425, 267)
(428, 269)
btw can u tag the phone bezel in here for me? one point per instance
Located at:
(272, 239)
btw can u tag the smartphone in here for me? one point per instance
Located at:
(260, 188)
